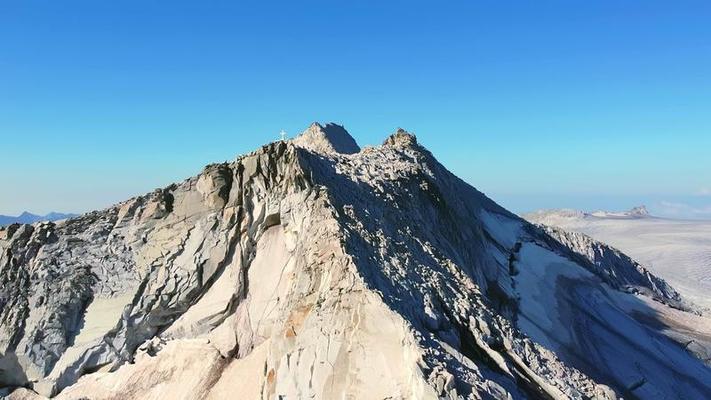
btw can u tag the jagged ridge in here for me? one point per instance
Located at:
(298, 267)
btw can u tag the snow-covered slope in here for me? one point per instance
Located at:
(314, 269)
(677, 250)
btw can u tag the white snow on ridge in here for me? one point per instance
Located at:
(560, 310)
(677, 250)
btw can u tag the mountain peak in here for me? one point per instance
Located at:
(639, 211)
(401, 138)
(331, 138)
(382, 267)
(634, 212)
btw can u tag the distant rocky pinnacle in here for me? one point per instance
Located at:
(639, 211)
(311, 269)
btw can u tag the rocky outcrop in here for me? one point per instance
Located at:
(401, 138)
(639, 211)
(331, 138)
(310, 269)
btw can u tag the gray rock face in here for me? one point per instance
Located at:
(331, 138)
(615, 268)
(311, 269)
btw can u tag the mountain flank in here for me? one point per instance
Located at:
(314, 269)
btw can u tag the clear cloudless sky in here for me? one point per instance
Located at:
(540, 104)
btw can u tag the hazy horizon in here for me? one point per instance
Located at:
(669, 206)
(555, 105)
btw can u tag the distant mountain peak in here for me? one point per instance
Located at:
(639, 211)
(635, 212)
(549, 217)
(29, 218)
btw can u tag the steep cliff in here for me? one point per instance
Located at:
(313, 269)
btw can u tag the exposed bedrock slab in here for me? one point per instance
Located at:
(314, 269)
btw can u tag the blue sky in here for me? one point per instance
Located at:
(603, 104)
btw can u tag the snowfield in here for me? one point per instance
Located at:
(677, 250)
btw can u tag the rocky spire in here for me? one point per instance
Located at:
(639, 211)
(401, 138)
(331, 138)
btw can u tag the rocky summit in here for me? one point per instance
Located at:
(314, 269)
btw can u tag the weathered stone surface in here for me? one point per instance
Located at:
(308, 269)
(617, 269)
(214, 184)
(331, 138)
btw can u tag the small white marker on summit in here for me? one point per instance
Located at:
(282, 134)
